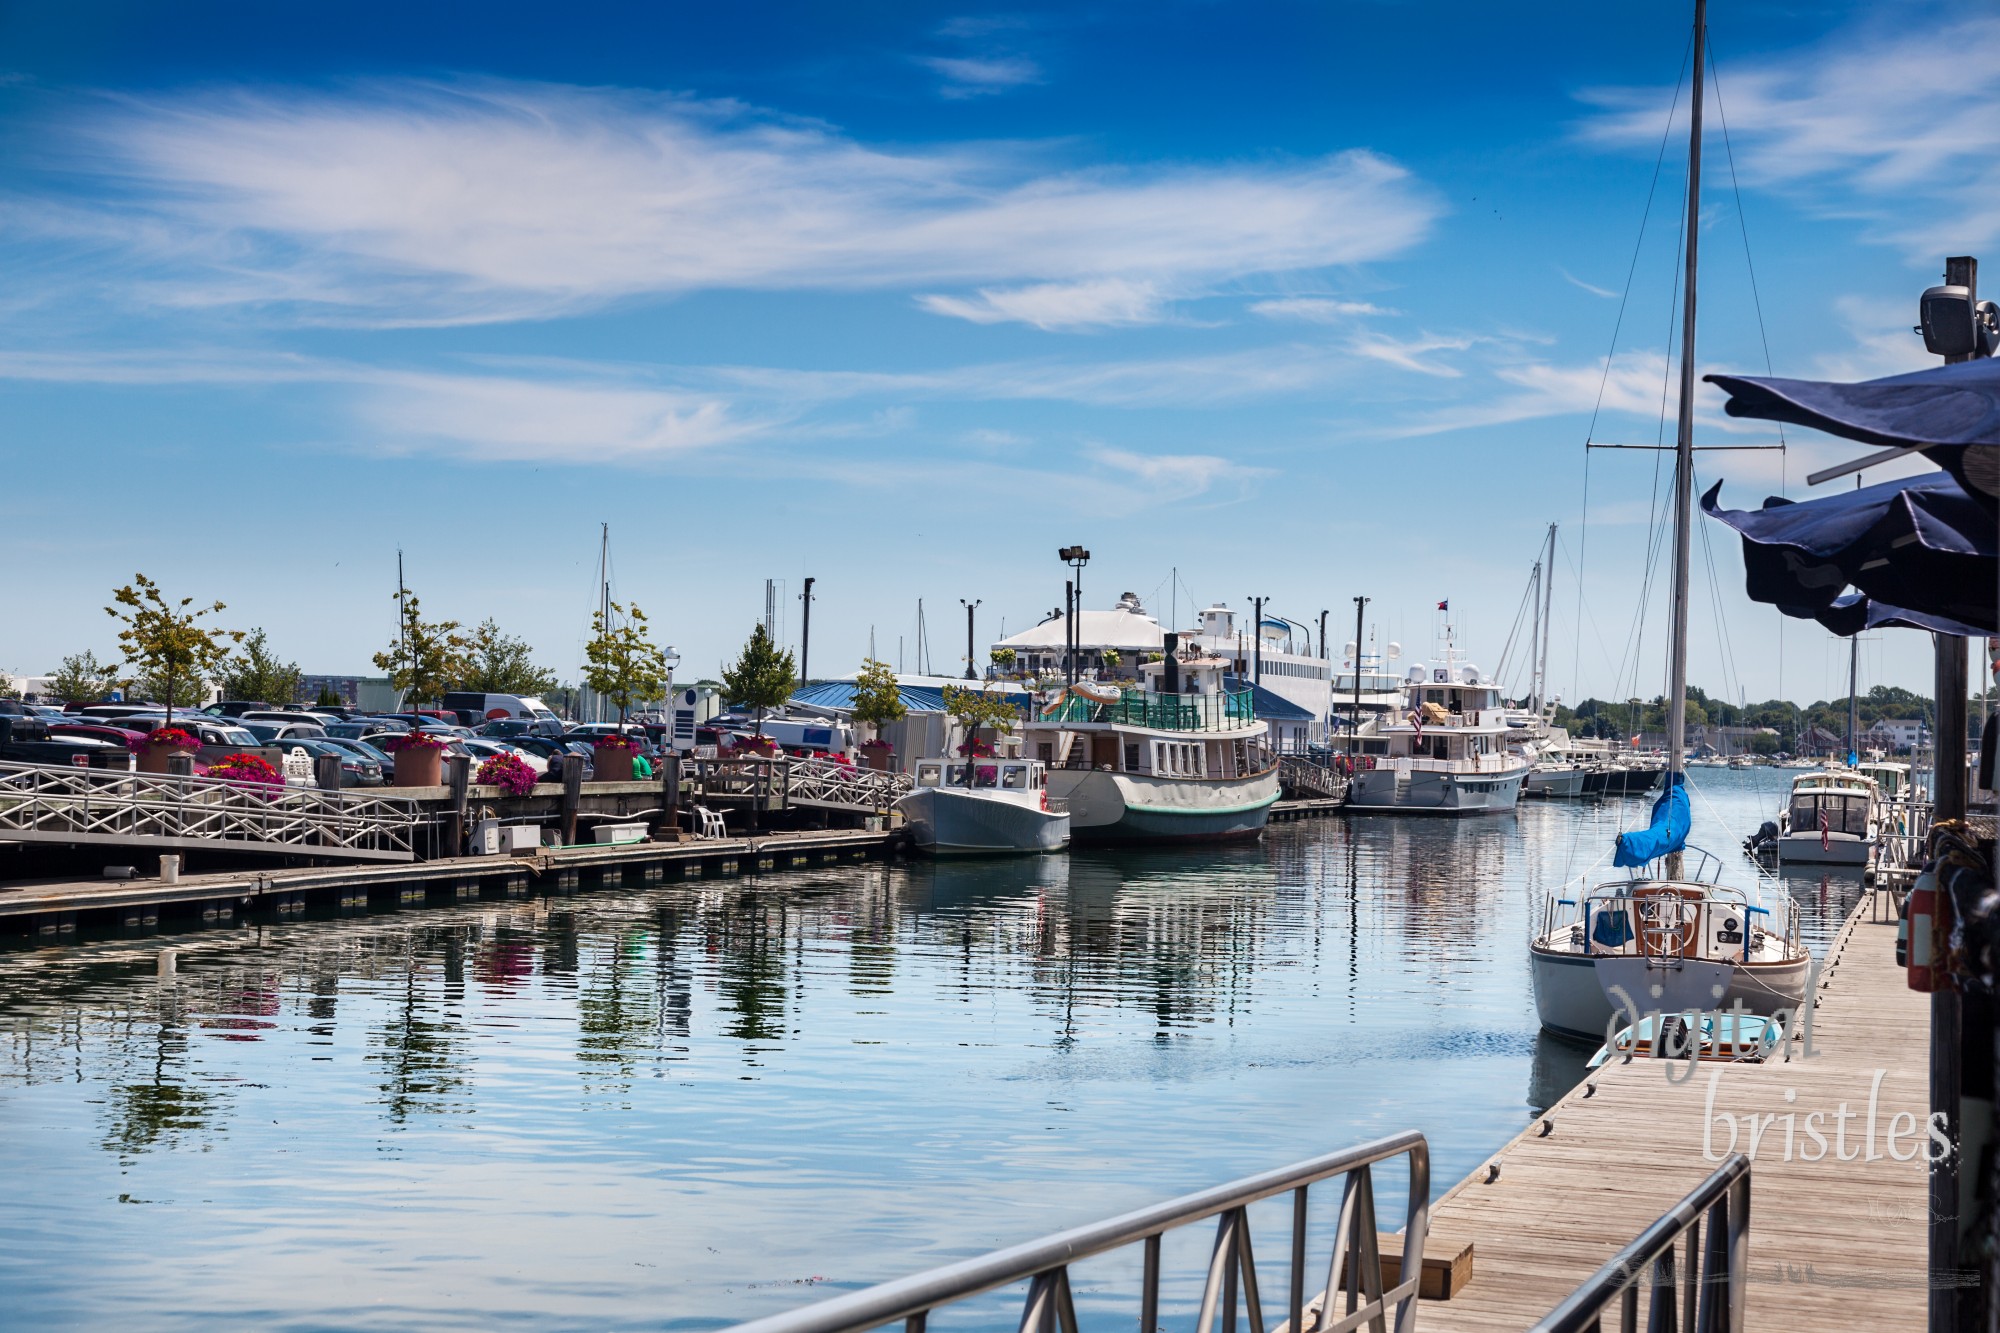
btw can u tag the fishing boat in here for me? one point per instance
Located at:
(1663, 940)
(1182, 758)
(1449, 754)
(1832, 819)
(983, 806)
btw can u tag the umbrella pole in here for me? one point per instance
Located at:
(1947, 1030)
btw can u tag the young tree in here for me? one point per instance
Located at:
(166, 643)
(1003, 658)
(257, 674)
(877, 700)
(328, 698)
(763, 678)
(498, 663)
(624, 665)
(1111, 659)
(973, 709)
(427, 657)
(82, 679)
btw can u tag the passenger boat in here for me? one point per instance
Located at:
(981, 806)
(1450, 754)
(1183, 758)
(1832, 819)
(1661, 940)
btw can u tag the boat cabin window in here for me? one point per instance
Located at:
(954, 776)
(986, 775)
(927, 774)
(1844, 813)
(1132, 758)
(1014, 777)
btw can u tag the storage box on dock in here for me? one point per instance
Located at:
(608, 834)
(492, 838)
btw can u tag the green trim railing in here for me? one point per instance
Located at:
(1161, 712)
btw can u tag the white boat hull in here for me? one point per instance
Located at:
(1555, 782)
(1136, 807)
(1571, 995)
(944, 821)
(1842, 849)
(1429, 792)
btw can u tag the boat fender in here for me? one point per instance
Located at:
(1930, 932)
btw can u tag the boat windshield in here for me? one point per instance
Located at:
(1842, 812)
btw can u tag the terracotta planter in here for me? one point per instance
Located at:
(420, 768)
(153, 757)
(611, 763)
(880, 760)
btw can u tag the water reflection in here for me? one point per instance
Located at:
(708, 1081)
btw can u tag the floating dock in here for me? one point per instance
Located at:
(1833, 1243)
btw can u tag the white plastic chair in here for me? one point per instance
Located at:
(711, 823)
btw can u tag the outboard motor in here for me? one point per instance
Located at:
(1764, 841)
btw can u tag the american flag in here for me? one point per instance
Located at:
(1824, 827)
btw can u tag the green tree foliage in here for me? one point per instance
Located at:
(82, 679)
(877, 700)
(762, 679)
(1112, 657)
(255, 673)
(497, 663)
(166, 644)
(624, 665)
(1004, 658)
(426, 658)
(1624, 717)
(974, 709)
(328, 697)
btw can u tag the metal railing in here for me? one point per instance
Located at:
(782, 780)
(1306, 778)
(1354, 1270)
(61, 803)
(1702, 1293)
(1161, 712)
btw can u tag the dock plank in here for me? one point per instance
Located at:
(1833, 1243)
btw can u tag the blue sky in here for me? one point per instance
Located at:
(1301, 300)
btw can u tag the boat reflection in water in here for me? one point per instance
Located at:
(1558, 1065)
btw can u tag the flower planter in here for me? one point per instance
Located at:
(152, 755)
(881, 759)
(611, 763)
(420, 766)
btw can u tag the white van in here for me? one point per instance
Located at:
(474, 708)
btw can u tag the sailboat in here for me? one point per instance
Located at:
(1663, 940)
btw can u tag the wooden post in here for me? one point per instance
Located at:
(572, 797)
(1947, 1033)
(670, 793)
(458, 778)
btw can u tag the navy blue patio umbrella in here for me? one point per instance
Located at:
(1919, 552)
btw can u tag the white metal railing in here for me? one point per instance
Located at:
(60, 803)
(1571, 910)
(783, 779)
(1354, 1293)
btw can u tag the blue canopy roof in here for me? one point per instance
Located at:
(1952, 413)
(840, 694)
(1919, 553)
(1267, 705)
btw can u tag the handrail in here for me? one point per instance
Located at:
(1713, 1284)
(1354, 1270)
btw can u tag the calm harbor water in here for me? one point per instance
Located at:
(696, 1103)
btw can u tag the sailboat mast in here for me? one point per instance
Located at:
(1684, 431)
(1535, 638)
(1548, 618)
(1853, 710)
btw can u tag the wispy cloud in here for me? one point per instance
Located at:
(1897, 122)
(1315, 309)
(1590, 287)
(981, 76)
(411, 203)
(1103, 303)
(1413, 354)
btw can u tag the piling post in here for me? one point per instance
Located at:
(670, 794)
(572, 797)
(326, 772)
(458, 778)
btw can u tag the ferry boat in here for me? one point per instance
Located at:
(1183, 758)
(1449, 754)
(1832, 819)
(983, 806)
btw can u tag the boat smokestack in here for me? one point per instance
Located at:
(1170, 677)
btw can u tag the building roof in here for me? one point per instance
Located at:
(1267, 704)
(1120, 628)
(920, 694)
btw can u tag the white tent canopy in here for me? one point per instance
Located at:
(1126, 628)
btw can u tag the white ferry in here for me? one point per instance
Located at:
(1182, 759)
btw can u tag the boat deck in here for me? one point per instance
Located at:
(1833, 1244)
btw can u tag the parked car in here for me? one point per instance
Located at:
(102, 731)
(473, 708)
(355, 770)
(270, 733)
(382, 759)
(506, 728)
(238, 707)
(482, 750)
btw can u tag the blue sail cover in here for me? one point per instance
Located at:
(1669, 830)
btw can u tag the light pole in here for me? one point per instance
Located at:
(806, 632)
(1257, 640)
(1076, 557)
(1353, 723)
(970, 607)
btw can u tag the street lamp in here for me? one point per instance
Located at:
(970, 607)
(1076, 557)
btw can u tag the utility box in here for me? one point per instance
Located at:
(607, 834)
(492, 838)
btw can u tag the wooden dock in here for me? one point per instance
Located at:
(58, 909)
(1833, 1244)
